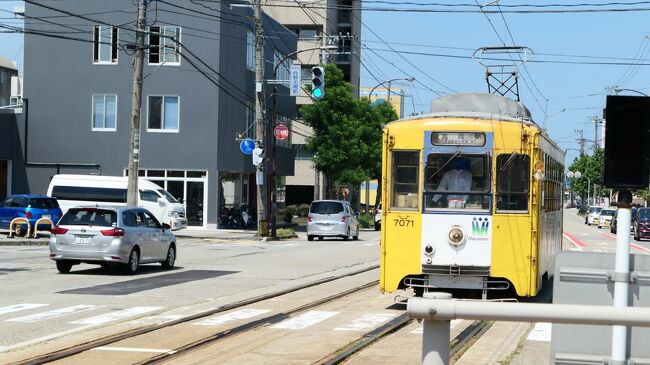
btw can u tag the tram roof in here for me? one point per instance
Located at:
(478, 105)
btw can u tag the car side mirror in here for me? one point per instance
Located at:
(166, 226)
(161, 202)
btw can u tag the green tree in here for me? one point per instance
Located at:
(591, 167)
(347, 132)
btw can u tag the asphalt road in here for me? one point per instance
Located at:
(38, 303)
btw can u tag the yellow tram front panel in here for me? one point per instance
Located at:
(513, 235)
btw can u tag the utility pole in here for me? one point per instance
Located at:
(581, 141)
(596, 121)
(134, 141)
(262, 229)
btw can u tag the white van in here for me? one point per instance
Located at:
(76, 190)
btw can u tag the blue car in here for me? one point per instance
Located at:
(31, 207)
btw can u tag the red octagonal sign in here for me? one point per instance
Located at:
(281, 131)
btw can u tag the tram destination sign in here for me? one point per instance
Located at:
(458, 138)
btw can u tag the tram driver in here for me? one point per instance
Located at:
(457, 178)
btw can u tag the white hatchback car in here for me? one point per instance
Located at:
(592, 215)
(332, 218)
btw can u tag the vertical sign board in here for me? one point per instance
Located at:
(627, 142)
(294, 84)
(584, 278)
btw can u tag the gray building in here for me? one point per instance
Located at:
(198, 96)
(8, 70)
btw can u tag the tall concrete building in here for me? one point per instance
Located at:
(317, 24)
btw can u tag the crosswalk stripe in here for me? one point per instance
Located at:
(305, 320)
(454, 323)
(115, 316)
(541, 332)
(20, 307)
(238, 315)
(366, 321)
(54, 313)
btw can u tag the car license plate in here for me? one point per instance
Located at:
(82, 239)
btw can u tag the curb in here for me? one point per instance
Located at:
(10, 242)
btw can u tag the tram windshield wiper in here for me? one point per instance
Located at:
(512, 156)
(445, 164)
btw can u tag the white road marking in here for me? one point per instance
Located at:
(20, 307)
(134, 349)
(115, 316)
(366, 321)
(541, 332)
(454, 323)
(303, 321)
(54, 313)
(240, 314)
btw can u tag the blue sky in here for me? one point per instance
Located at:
(570, 93)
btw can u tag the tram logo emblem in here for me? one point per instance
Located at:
(480, 226)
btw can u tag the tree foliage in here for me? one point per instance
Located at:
(347, 132)
(590, 167)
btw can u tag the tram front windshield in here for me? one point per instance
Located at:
(457, 182)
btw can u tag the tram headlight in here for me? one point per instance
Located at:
(456, 237)
(428, 250)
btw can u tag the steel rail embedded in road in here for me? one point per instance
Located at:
(107, 340)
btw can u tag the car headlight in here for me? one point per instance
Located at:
(173, 214)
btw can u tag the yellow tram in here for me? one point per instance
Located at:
(472, 197)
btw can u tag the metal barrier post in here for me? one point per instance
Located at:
(17, 221)
(435, 335)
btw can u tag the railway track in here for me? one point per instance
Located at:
(203, 342)
(114, 338)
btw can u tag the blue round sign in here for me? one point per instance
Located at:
(247, 146)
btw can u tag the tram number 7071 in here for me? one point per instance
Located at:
(403, 222)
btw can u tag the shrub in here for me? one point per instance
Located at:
(286, 233)
(302, 210)
(288, 213)
(366, 220)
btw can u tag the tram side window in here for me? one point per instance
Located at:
(404, 176)
(513, 171)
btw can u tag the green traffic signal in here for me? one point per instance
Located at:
(318, 82)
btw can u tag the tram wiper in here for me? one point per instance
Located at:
(445, 164)
(512, 156)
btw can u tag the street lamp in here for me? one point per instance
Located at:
(577, 175)
(270, 140)
(409, 79)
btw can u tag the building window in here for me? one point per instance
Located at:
(250, 121)
(164, 45)
(163, 114)
(105, 44)
(307, 34)
(3, 77)
(305, 71)
(104, 112)
(284, 70)
(250, 51)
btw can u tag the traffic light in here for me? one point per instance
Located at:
(627, 142)
(258, 156)
(317, 82)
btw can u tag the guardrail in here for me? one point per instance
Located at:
(440, 309)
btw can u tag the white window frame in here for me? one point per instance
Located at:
(250, 50)
(99, 54)
(162, 114)
(92, 114)
(162, 50)
(251, 130)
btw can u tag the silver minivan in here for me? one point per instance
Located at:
(332, 218)
(107, 236)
